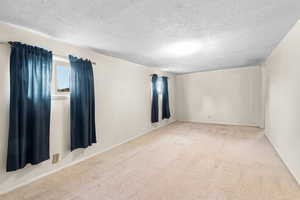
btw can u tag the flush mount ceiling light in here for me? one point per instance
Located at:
(183, 48)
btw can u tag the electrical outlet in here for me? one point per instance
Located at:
(55, 158)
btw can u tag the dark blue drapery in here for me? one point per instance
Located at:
(30, 104)
(83, 132)
(154, 107)
(165, 99)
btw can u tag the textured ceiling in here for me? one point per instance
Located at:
(227, 33)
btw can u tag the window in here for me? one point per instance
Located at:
(61, 78)
(159, 85)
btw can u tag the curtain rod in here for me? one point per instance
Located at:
(64, 57)
(157, 75)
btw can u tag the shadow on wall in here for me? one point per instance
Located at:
(4, 109)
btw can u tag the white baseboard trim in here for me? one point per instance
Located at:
(82, 159)
(221, 123)
(275, 147)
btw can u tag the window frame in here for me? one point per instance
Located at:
(55, 93)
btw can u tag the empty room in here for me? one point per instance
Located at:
(150, 100)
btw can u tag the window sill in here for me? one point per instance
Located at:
(60, 97)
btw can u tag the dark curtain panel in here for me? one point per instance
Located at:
(30, 104)
(83, 132)
(154, 107)
(165, 99)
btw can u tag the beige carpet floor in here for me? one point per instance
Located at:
(183, 161)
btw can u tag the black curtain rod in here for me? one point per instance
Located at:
(157, 75)
(64, 57)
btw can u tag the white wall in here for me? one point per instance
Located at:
(123, 102)
(231, 96)
(281, 73)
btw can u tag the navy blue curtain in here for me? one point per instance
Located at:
(83, 132)
(154, 107)
(165, 99)
(30, 104)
